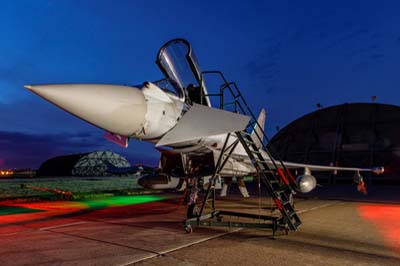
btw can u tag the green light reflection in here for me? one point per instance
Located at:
(120, 201)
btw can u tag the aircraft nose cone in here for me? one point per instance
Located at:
(118, 109)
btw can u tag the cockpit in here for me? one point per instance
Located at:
(183, 75)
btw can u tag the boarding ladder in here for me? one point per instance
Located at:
(277, 179)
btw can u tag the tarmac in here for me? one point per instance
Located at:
(148, 230)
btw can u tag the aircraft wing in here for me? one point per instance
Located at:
(202, 121)
(322, 168)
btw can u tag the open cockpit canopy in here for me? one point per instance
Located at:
(179, 65)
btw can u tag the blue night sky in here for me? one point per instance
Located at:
(285, 55)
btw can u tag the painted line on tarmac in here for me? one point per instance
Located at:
(180, 247)
(319, 207)
(62, 225)
(199, 241)
(44, 228)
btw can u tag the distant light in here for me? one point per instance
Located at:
(6, 172)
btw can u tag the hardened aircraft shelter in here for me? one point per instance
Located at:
(362, 134)
(83, 164)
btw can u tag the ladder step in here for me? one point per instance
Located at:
(261, 161)
(297, 224)
(245, 133)
(251, 142)
(277, 181)
(279, 192)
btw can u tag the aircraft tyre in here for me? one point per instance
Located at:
(188, 229)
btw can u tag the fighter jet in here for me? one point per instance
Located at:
(176, 114)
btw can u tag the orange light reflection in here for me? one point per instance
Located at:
(386, 218)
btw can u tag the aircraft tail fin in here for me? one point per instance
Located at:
(258, 130)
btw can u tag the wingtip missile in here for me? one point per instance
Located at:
(378, 170)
